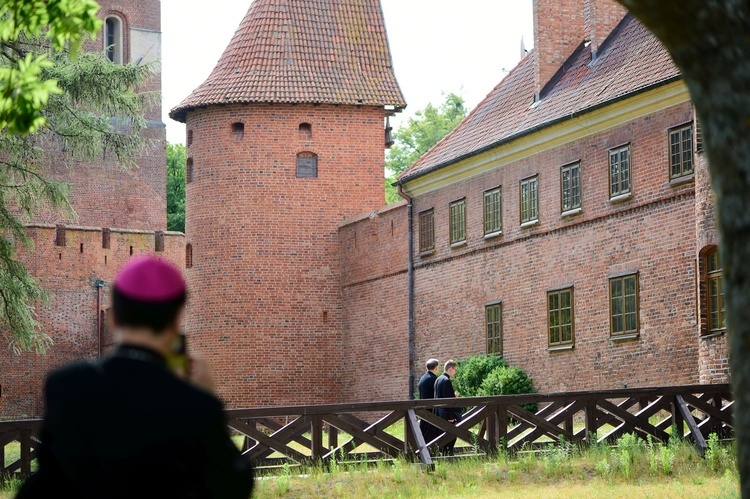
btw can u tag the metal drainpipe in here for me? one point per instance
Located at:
(410, 294)
(99, 285)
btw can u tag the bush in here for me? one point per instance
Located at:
(483, 375)
(473, 371)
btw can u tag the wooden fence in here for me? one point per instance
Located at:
(354, 432)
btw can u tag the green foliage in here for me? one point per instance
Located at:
(63, 24)
(415, 137)
(473, 371)
(53, 105)
(483, 375)
(176, 157)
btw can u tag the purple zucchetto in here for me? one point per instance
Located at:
(149, 279)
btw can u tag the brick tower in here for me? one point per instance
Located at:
(285, 140)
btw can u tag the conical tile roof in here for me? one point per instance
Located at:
(303, 51)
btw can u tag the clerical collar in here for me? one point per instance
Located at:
(140, 353)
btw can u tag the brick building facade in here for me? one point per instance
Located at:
(567, 224)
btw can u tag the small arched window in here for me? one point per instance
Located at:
(305, 131)
(307, 165)
(189, 170)
(113, 44)
(238, 130)
(189, 138)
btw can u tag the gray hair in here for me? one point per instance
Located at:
(432, 364)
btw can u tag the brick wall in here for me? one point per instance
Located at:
(70, 273)
(266, 262)
(652, 233)
(374, 281)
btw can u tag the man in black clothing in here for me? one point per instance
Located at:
(427, 392)
(128, 426)
(444, 389)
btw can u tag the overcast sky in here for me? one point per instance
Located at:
(437, 46)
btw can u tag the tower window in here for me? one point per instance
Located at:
(113, 39)
(305, 131)
(190, 138)
(238, 130)
(188, 256)
(189, 170)
(307, 165)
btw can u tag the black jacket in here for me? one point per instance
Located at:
(127, 427)
(427, 386)
(443, 390)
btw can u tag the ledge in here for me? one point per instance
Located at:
(493, 235)
(530, 223)
(426, 253)
(713, 335)
(458, 244)
(681, 180)
(621, 197)
(624, 337)
(570, 213)
(561, 348)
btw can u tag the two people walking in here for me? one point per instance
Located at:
(433, 386)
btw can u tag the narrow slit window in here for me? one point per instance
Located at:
(189, 170)
(188, 256)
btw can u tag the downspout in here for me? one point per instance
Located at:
(410, 293)
(99, 285)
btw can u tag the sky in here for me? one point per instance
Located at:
(437, 46)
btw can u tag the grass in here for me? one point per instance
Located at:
(634, 468)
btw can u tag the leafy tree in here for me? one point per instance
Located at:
(23, 90)
(418, 135)
(176, 187)
(709, 42)
(53, 104)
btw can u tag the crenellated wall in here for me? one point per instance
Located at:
(78, 274)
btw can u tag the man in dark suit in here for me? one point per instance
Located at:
(129, 426)
(427, 392)
(444, 389)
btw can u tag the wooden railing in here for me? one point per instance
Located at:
(356, 432)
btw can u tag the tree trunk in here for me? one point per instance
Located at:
(709, 41)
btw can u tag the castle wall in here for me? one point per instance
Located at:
(265, 245)
(374, 283)
(70, 318)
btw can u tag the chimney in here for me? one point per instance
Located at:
(560, 26)
(601, 17)
(558, 30)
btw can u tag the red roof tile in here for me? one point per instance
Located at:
(295, 51)
(631, 60)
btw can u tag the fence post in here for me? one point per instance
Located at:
(333, 437)
(591, 424)
(316, 437)
(25, 452)
(677, 420)
(492, 429)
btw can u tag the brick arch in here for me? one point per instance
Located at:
(124, 33)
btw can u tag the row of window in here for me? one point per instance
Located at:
(623, 310)
(681, 166)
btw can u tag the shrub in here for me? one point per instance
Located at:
(508, 380)
(473, 371)
(483, 375)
